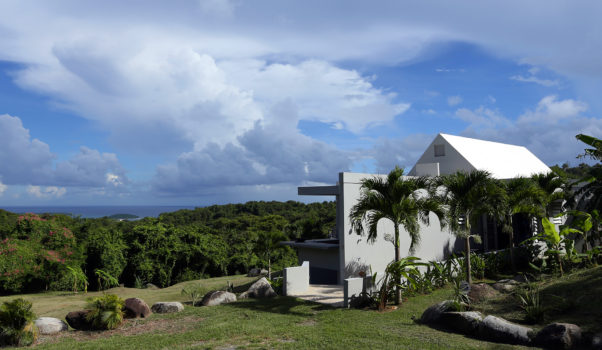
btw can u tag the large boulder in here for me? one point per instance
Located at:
(481, 291)
(597, 341)
(506, 285)
(558, 336)
(499, 330)
(260, 289)
(50, 325)
(218, 297)
(136, 307)
(433, 313)
(462, 322)
(77, 320)
(164, 307)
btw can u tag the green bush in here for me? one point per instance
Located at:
(17, 323)
(530, 302)
(194, 292)
(106, 312)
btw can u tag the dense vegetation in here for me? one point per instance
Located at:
(57, 252)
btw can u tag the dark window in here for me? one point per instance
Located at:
(439, 150)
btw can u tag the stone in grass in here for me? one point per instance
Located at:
(218, 297)
(260, 289)
(77, 320)
(481, 291)
(50, 325)
(433, 313)
(164, 307)
(136, 307)
(467, 322)
(255, 272)
(499, 330)
(558, 336)
(506, 285)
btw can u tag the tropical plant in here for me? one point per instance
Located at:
(106, 312)
(17, 323)
(78, 277)
(468, 195)
(404, 201)
(194, 292)
(460, 293)
(105, 280)
(477, 263)
(554, 240)
(522, 197)
(589, 224)
(553, 186)
(530, 302)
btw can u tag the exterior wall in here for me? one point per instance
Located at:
(324, 264)
(357, 254)
(296, 279)
(450, 163)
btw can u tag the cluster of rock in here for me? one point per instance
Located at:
(497, 329)
(256, 272)
(137, 308)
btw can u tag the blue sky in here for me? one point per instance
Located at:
(216, 101)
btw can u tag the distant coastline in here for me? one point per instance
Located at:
(140, 211)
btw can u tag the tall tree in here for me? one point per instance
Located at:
(468, 195)
(405, 201)
(522, 197)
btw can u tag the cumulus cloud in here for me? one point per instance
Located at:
(46, 192)
(404, 152)
(24, 161)
(3, 188)
(548, 130)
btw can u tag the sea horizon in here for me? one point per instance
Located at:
(98, 211)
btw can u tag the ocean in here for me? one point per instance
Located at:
(99, 211)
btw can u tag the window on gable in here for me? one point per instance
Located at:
(439, 150)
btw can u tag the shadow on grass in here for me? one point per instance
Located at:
(281, 305)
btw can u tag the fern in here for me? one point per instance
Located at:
(17, 323)
(106, 312)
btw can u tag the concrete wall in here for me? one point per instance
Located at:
(354, 287)
(324, 264)
(450, 163)
(296, 279)
(357, 254)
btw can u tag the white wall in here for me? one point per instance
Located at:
(296, 279)
(452, 162)
(358, 254)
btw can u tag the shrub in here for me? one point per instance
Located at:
(17, 323)
(194, 292)
(530, 302)
(276, 284)
(106, 312)
(105, 280)
(478, 266)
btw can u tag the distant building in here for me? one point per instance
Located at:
(347, 255)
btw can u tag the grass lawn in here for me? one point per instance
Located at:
(287, 323)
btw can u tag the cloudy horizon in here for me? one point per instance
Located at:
(218, 101)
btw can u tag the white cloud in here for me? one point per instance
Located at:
(46, 192)
(454, 100)
(536, 80)
(482, 118)
(3, 188)
(551, 110)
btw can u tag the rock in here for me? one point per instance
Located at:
(218, 297)
(163, 307)
(500, 330)
(481, 291)
(151, 286)
(244, 295)
(50, 325)
(558, 336)
(462, 322)
(434, 312)
(136, 307)
(255, 272)
(507, 285)
(597, 341)
(77, 320)
(260, 289)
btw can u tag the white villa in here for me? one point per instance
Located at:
(346, 255)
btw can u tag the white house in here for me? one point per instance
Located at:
(346, 255)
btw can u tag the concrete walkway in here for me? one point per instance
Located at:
(329, 294)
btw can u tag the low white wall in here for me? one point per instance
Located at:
(354, 287)
(296, 279)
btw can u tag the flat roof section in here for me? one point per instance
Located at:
(318, 191)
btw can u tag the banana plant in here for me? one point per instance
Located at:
(556, 241)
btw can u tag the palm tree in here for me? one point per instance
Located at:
(554, 186)
(466, 196)
(591, 191)
(404, 201)
(522, 197)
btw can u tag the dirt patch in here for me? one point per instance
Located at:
(128, 328)
(309, 322)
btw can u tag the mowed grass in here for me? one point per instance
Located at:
(278, 323)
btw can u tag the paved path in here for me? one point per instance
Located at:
(328, 294)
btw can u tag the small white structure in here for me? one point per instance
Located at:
(348, 255)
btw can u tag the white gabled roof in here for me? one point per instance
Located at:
(503, 161)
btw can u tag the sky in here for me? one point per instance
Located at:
(224, 101)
